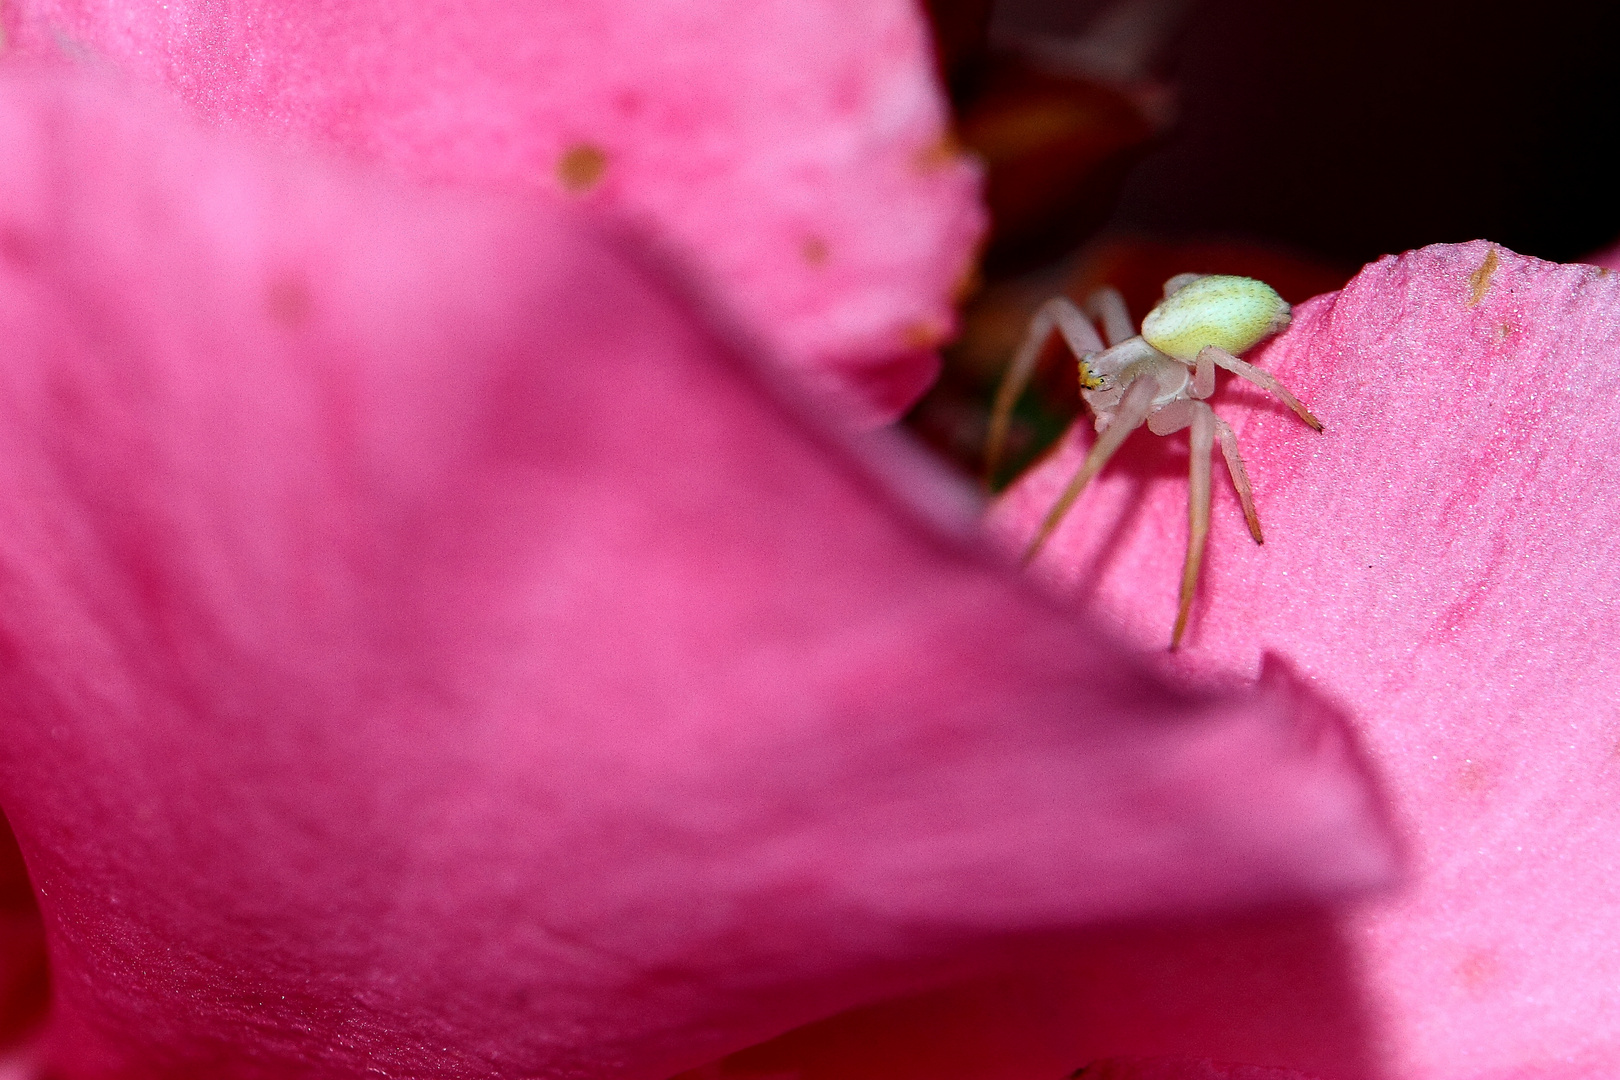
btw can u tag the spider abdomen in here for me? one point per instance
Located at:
(1230, 313)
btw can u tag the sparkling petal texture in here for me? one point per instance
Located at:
(1443, 559)
(430, 646)
(797, 151)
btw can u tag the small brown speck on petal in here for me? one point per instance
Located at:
(815, 251)
(1479, 282)
(581, 167)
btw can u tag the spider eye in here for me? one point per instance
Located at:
(1231, 313)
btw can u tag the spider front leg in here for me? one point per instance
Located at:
(1097, 364)
(1131, 413)
(1107, 306)
(1060, 314)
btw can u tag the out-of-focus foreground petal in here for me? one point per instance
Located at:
(427, 647)
(1442, 558)
(797, 150)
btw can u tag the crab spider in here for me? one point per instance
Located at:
(1159, 377)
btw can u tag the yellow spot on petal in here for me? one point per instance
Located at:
(1479, 282)
(581, 167)
(926, 334)
(814, 250)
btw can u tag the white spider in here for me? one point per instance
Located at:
(1160, 377)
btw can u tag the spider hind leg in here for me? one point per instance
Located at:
(1180, 414)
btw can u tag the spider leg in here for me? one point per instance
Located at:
(1058, 313)
(1203, 444)
(1176, 415)
(1264, 380)
(1179, 282)
(1171, 417)
(1107, 306)
(1131, 414)
(1203, 383)
(1239, 474)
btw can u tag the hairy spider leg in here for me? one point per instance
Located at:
(1203, 444)
(1107, 306)
(1263, 379)
(1131, 414)
(1060, 314)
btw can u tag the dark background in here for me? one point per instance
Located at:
(1350, 130)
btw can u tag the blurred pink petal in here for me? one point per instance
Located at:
(1443, 559)
(797, 151)
(430, 648)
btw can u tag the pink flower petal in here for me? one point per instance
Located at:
(797, 151)
(1443, 559)
(429, 648)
